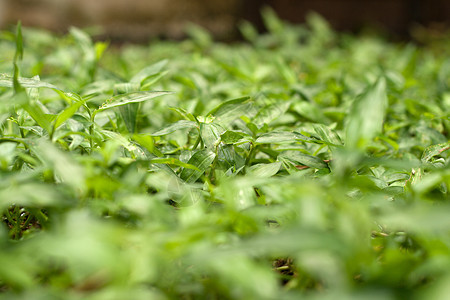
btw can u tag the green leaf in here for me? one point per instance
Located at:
(126, 87)
(277, 137)
(366, 116)
(434, 150)
(272, 22)
(271, 112)
(19, 43)
(120, 139)
(14, 271)
(66, 168)
(233, 137)
(285, 71)
(199, 35)
(229, 110)
(134, 97)
(173, 161)
(304, 159)
(182, 124)
(310, 112)
(145, 141)
(69, 111)
(32, 194)
(201, 159)
(90, 53)
(210, 133)
(7, 81)
(184, 113)
(327, 135)
(149, 71)
(129, 114)
(248, 31)
(82, 38)
(38, 115)
(265, 170)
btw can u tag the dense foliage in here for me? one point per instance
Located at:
(302, 163)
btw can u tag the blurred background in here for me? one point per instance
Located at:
(140, 20)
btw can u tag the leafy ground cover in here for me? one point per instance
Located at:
(301, 163)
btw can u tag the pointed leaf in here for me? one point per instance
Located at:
(173, 161)
(182, 124)
(327, 135)
(366, 116)
(145, 141)
(265, 170)
(68, 112)
(7, 81)
(229, 108)
(65, 167)
(148, 71)
(232, 137)
(135, 97)
(129, 114)
(19, 43)
(210, 133)
(184, 113)
(275, 137)
(201, 159)
(310, 111)
(36, 112)
(304, 159)
(271, 112)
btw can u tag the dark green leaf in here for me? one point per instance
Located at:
(19, 43)
(201, 159)
(182, 124)
(129, 114)
(232, 137)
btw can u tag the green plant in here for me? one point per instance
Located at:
(301, 163)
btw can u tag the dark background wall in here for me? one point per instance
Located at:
(393, 15)
(141, 19)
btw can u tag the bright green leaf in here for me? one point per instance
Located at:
(366, 116)
(125, 99)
